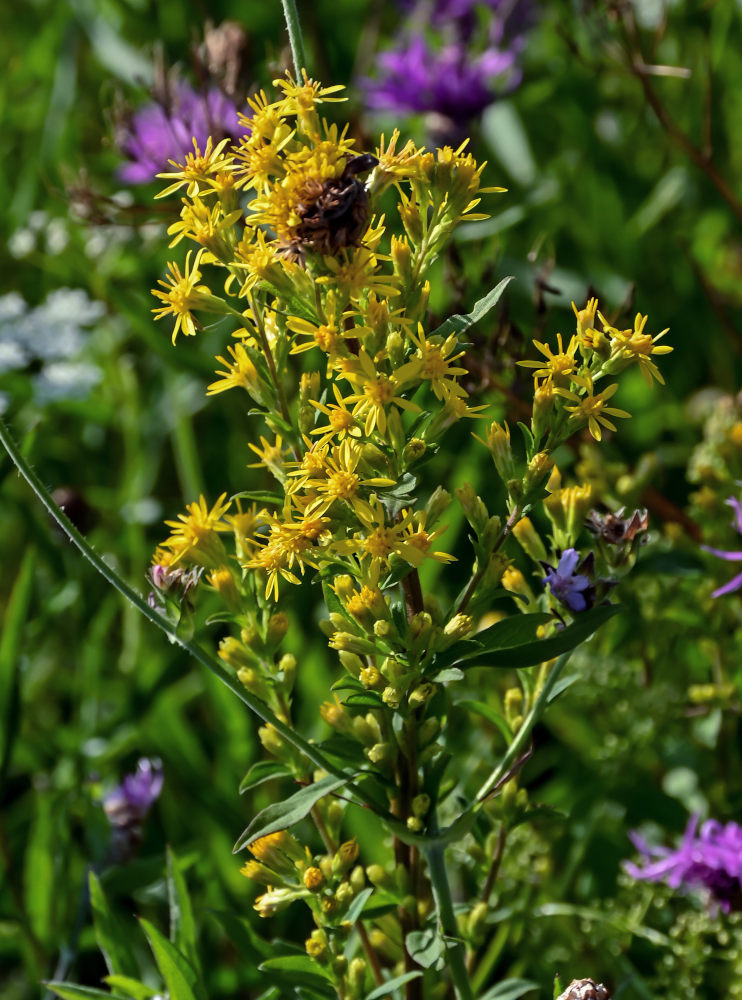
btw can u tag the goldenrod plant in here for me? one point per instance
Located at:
(324, 295)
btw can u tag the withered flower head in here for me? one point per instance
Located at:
(333, 214)
(615, 528)
(585, 989)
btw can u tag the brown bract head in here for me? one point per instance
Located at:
(332, 214)
(585, 989)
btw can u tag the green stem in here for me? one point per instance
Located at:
(296, 39)
(210, 662)
(524, 733)
(447, 920)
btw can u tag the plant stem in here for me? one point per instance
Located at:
(210, 662)
(525, 730)
(296, 41)
(477, 576)
(447, 920)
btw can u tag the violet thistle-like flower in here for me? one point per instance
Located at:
(736, 582)
(710, 859)
(570, 587)
(162, 131)
(450, 81)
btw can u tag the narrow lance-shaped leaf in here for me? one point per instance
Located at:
(531, 653)
(109, 934)
(179, 975)
(281, 815)
(459, 323)
(182, 924)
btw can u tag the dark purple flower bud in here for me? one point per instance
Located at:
(710, 859)
(570, 587)
(128, 803)
(160, 132)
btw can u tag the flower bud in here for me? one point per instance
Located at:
(357, 879)
(316, 945)
(401, 254)
(392, 696)
(543, 407)
(222, 581)
(459, 626)
(352, 663)
(514, 581)
(313, 879)
(278, 626)
(498, 442)
(421, 695)
(538, 469)
(370, 677)
(414, 823)
(344, 585)
(379, 876)
(473, 507)
(437, 503)
(380, 754)
(395, 348)
(357, 974)
(529, 540)
(421, 805)
(414, 450)
(344, 895)
(567, 509)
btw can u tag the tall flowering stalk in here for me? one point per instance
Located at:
(331, 342)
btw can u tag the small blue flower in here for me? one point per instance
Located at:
(568, 586)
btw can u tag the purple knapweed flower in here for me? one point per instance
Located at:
(736, 582)
(570, 588)
(162, 131)
(711, 859)
(128, 803)
(451, 81)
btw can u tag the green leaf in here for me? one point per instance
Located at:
(393, 984)
(448, 674)
(108, 932)
(426, 947)
(509, 989)
(263, 770)
(179, 975)
(182, 924)
(458, 323)
(131, 987)
(355, 908)
(243, 937)
(11, 637)
(512, 631)
(281, 815)
(531, 653)
(364, 699)
(480, 708)
(287, 964)
(70, 991)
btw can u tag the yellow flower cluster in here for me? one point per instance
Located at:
(306, 276)
(571, 372)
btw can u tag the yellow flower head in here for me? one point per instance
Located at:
(182, 294)
(593, 411)
(197, 171)
(195, 535)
